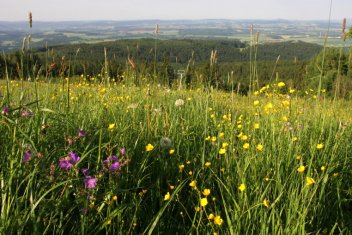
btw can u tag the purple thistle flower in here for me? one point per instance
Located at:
(74, 158)
(81, 133)
(27, 156)
(90, 182)
(64, 164)
(115, 166)
(5, 110)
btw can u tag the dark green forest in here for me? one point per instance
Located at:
(225, 64)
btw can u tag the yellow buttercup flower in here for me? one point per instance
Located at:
(167, 196)
(259, 147)
(301, 169)
(193, 184)
(222, 151)
(181, 167)
(256, 126)
(171, 151)
(203, 202)
(242, 187)
(246, 146)
(149, 148)
(111, 126)
(256, 102)
(218, 220)
(322, 168)
(207, 164)
(320, 146)
(310, 181)
(206, 192)
(211, 216)
(266, 203)
(281, 84)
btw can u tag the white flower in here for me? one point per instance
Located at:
(179, 102)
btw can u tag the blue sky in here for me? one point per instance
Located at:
(55, 10)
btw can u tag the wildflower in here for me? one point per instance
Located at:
(193, 184)
(188, 162)
(322, 168)
(81, 133)
(64, 164)
(90, 182)
(165, 142)
(114, 198)
(301, 169)
(171, 151)
(203, 202)
(108, 222)
(225, 144)
(294, 139)
(207, 164)
(85, 171)
(181, 167)
(320, 146)
(179, 102)
(222, 151)
(256, 126)
(149, 147)
(266, 203)
(244, 137)
(211, 216)
(218, 220)
(73, 158)
(115, 166)
(172, 187)
(310, 181)
(5, 110)
(123, 151)
(167, 196)
(206, 192)
(259, 147)
(213, 139)
(256, 102)
(242, 187)
(221, 135)
(246, 146)
(27, 157)
(281, 84)
(190, 172)
(111, 126)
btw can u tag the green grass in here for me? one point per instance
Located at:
(39, 197)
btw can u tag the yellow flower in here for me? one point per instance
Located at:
(193, 184)
(188, 162)
(190, 172)
(114, 198)
(242, 187)
(246, 146)
(310, 181)
(256, 126)
(167, 196)
(256, 102)
(294, 139)
(292, 90)
(218, 220)
(172, 187)
(266, 203)
(108, 222)
(181, 167)
(320, 146)
(213, 139)
(225, 144)
(301, 169)
(207, 164)
(221, 135)
(259, 147)
(222, 151)
(244, 137)
(203, 202)
(111, 126)
(149, 148)
(206, 192)
(211, 216)
(281, 84)
(322, 168)
(171, 151)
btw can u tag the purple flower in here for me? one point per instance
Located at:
(85, 171)
(109, 160)
(81, 133)
(27, 156)
(115, 166)
(123, 151)
(5, 110)
(64, 164)
(90, 182)
(74, 158)
(25, 113)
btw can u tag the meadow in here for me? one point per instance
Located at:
(83, 157)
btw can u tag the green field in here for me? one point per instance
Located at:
(90, 158)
